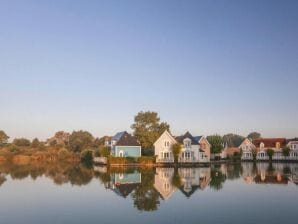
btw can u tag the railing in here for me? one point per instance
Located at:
(187, 160)
(164, 160)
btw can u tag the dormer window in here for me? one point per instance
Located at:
(187, 143)
(262, 145)
(277, 145)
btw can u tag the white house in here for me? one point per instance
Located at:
(293, 145)
(194, 149)
(247, 148)
(163, 148)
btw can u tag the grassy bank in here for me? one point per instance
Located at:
(26, 155)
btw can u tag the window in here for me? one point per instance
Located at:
(262, 145)
(277, 145)
(121, 154)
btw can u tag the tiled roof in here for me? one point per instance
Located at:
(186, 135)
(270, 142)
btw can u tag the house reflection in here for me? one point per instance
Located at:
(193, 179)
(124, 183)
(163, 182)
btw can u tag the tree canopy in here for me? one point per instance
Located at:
(35, 143)
(254, 135)
(3, 137)
(147, 127)
(80, 140)
(233, 140)
(21, 142)
(216, 142)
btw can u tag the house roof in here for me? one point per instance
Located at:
(126, 139)
(198, 138)
(186, 135)
(270, 142)
(124, 190)
(118, 136)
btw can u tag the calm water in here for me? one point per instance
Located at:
(61, 193)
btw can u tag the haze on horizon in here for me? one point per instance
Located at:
(204, 66)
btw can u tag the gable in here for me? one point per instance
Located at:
(165, 136)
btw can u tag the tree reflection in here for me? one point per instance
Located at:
(217, 178)
(145, 197)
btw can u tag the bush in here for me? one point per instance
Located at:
(105, 151)
(97, 153)
(121, 160)
(21, 142)
(14, 149)
(63, 154)
(286, 151)
(87, 156)
(35, 143)
(146, 160)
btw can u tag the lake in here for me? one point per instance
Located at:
(225, 193)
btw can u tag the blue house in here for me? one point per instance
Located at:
(125, 145)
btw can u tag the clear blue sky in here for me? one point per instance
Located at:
(204, 66)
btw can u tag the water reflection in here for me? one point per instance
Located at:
(147, 188)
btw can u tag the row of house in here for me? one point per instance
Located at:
(194, 149)
(260, 146)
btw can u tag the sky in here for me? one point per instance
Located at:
(205, 66)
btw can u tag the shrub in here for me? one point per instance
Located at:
(121, 160)
(286, 151)
(270, 153)
(35, 143)
(14, 149)
(146, 160)
(21, 142)
(97, 153)
(87, 156)
(105, 151)
(176, 148)
(63, 154)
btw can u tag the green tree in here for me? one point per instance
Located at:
(21, 142)
(233, 140)
(176, 149)
(87, 156)
(286, 151)
(35, 143)
(3, 137)
(80, 140)
(147, 128)
(105, 151)
(216, 143)
(254, 135)
(270, 153)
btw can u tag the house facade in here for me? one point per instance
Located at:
(193, 149)
(189, 148)
(263, 144)
(163, 148)
(293, 146)
(125, 145)
(247, 148)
